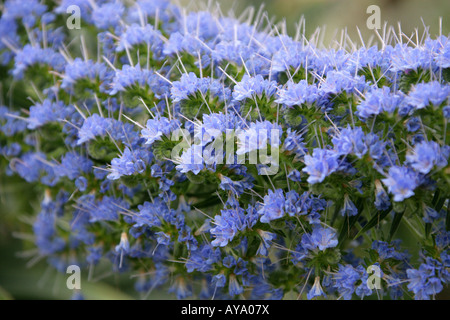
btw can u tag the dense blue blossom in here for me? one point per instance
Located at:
(47, 111)
(424, 94)
(228, 223)
(350, 280)
(323, 238)
(156, 128)
(191, 160)
(254, 86)
(28, 11)
(136, 35)
(107, 15)
(258, 136)
(222, 158)
(273, 207)
(73, 165)
(93, 127)
(30, 56)
(427, 281)
(401, 182)
(130, 162)
(131, 76)
(378, 101)
(349, 208)
(81, 69)
(350, 141)
(427, 155)
(321, 164)
(298, 93)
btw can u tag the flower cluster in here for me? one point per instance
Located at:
(218, 160)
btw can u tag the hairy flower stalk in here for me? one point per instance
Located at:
(230, 161)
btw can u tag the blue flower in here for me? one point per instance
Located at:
(382, 201)
(234, 288)
(321, 164)
(443, 57)
(425, 156)
(124, 245)
(349, 208)
(350, 141)
(389, 251)
(95, 254)
(405, 58)
(181, 289)
(26, 11)
(316, 290)
(29, 56)
(136, 34)
(294, 143)
(108, 15)
(295, 175)
(44, 227)
(130, 162)
(73, 165)
(424, 94)
(188, 85)
(250, 87)
(33, 165)
(429, 214)
(323, 238)
(93, 127)
(229, 262)
(227, 224)
(401, 182)
(158, 127)
(130, 76)
(257, 136)
(9, 125)
(345, 280)
(106, 209)
(82, 69)
(446, 112)
(378, 101)
(237, 187)
(266, 239)
(273, 207)
(191, 160)
(81, 183)
(413, 124)
(45, 112)
(427, 280)
(339, 81)
(150, 214)
(298, 94)
(163, 238)
(203, 259)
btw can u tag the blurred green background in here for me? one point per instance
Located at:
(18, 201)
(349, 14)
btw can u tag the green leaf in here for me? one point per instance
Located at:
(375, 220)
(102, 150)
(446, 74)
(195, 178)
(439, 204)
(447, 219)
(350, 222)
(5, 295)
(413, 77)
(395, 223)
(427, 229)
(213, 200)
(436, 197)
